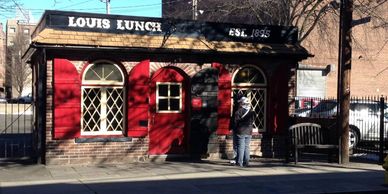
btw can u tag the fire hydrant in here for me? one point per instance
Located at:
(385, 166)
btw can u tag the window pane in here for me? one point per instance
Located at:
(104, 71)
(174, 90)
(115, 110)
(93, 74)
(111, 72)
(91, 109)
(174, 104)
(163, 104)
(86, 118)
(163, 90)
(249, 75)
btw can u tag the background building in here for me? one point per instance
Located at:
(369, 73)
(2, 60)
(17, 73)
(317, 76)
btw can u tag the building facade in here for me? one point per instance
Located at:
(2, 61)
(17, 73)
(317, 76)
(369, 73)
(113, 89)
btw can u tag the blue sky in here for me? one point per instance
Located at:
(148, 8)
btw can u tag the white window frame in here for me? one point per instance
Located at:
(102, 82)
(103, 85)
(12, 30)
(168, 97)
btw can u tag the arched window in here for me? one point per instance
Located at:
(249, 76)
(249, 81)
(102, 99)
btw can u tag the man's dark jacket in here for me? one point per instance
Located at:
(243, 124)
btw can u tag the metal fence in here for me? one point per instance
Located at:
(16, 130)
(368, 118)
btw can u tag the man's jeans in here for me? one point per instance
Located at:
(243, 149)
(235, 139)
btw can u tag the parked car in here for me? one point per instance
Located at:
(364, 119)
(22, 99)
(3, 100)
(25, 99)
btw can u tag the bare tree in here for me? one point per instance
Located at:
(17, 70)
(307, 15)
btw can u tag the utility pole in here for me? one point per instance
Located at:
(107, 3)
(195, 9)
(344, 69)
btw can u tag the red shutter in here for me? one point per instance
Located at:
(138, 81)
(224, 99)
(67, 100)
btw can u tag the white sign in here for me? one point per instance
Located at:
(129, 25)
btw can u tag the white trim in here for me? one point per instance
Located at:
(103, 123)
(103, 85)
(102, 82)
(101, 133)
(168, 97)
(103, 109)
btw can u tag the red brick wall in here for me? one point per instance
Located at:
(69, 152)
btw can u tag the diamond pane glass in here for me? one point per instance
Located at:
(115, 109)
(91, 109)
(257, 99)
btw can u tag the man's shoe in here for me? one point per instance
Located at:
(232, 162)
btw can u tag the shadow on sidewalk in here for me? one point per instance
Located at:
(352, 182)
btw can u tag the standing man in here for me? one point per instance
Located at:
(243, 123)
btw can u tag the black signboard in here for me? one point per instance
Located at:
(168, 27)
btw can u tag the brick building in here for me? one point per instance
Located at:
(2, 61)
(114, 89)
(18, 33)
(369, 73)
(317, 76)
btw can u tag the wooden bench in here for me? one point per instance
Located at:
(310, 136)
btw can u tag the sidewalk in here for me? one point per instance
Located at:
(188, 177)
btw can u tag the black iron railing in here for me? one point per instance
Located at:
(368, 118)
(16, 130)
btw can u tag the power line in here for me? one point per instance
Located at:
(102, 8)
(76, 4)
(38, 12)
(22, 11)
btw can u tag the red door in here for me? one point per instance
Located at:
(168, 113)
